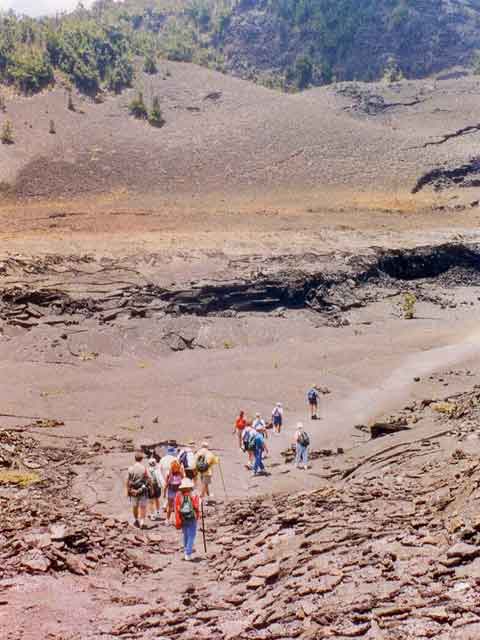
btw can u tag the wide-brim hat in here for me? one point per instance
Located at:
(186, 484)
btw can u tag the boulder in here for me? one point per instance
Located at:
(256, 582)
(146, 560)
(75, 565)
(463, 551)
(268, 571)
(36, 563)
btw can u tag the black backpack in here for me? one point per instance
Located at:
(303, 439)
(202, 464)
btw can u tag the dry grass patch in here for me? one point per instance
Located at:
(19, 478)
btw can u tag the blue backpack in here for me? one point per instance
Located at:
(312, 396)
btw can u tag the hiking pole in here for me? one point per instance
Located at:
(203, 527)
(223, 479)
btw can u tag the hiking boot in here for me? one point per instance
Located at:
(188, 558)
(136, 523)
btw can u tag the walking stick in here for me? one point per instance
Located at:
(203, 527)
(223, 479)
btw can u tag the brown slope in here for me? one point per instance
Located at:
(228, 136)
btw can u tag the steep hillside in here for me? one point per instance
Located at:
(297, 43)
(226, 136)
(290, 44)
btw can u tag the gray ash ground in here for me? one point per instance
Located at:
(381, 539)
(367, 554)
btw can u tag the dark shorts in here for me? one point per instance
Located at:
(313, 403)
(277, 421)
(156, 492)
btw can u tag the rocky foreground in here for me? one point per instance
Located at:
(387, 547)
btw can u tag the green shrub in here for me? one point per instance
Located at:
(91, 54)
(303, 72)
(29, 70)
(155, 117)
(70, 104)
(137, 107)
(476, 63)
(408, 307)
(150, 65)
(6, 134)
(392, 72)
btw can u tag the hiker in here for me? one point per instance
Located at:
(137, 489)
(277, 417)
(312, 398)
(166, 463)
(204, 461)
(260, 427)
(173, 482)
(248, 442)
(259, 444)
(240, 424)
(186, 457)
(301, 441)
(187, 514)
(155, 489)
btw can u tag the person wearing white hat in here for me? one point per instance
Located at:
(277, 417)
(301, 441)
(187, 514)
(156, 489)
(260, 427)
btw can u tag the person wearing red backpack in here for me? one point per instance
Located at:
(187, 514)
(173, 482)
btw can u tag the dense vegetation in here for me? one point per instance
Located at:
(286, 43)
(91, 54)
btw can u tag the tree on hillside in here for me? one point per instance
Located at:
(70, 105)
(150, 65)
(29, 70)
(476, 63)
(155, 117)
(137, 107)
(303, 72)
(6, 134)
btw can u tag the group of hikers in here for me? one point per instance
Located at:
(253, 434)
(174, 477)
(183, 477)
